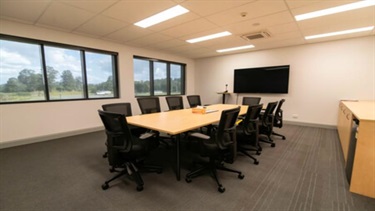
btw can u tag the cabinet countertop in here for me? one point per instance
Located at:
(363, 110)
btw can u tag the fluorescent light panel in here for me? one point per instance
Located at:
(333, 10)
(235, 48)
(162, 16)
(209, 37)
(369, 28)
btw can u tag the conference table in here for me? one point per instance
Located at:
(177, 122)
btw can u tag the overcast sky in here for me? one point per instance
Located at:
(14, 57)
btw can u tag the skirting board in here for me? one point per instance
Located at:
(48, 137)
(309, 124)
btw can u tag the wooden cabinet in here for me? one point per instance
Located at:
(363, 173)
(344, 125)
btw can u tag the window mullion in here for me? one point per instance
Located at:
(152, 91)
(84, 75)
(169, 79)
(44, 70)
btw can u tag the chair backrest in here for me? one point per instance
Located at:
(249, 124)
(250, 100)
(120, 108)
(194, 100)
(225, 136)
(267, 117)
(118, 135)
(174, 102)
(149, 105)
(278, 119)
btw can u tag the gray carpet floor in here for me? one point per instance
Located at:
(304, 172)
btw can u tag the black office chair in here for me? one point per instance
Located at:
(278, 119)
(149, 105)
(250, 100)
(219, 147)
(194, 100)
(248, 132)
(124, 149)
(125, 109)
(175, 102)
(266, 124)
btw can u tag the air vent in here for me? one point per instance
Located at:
(256, 35)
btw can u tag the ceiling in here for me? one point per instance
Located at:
(113, 20)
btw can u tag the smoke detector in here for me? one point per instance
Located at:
(256, 35)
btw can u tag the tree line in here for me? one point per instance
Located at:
(29, 81)
(159, 85)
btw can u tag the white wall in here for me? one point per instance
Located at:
(320, 76)
(30, 122)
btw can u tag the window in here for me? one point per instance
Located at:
(154, 77)
(33, 70)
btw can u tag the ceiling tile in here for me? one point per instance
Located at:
(128, 33)
(205, 8)
(149, 39)
(90, 5)
(107, 26)
(134, 11)
(189, 28)
(26, 11)
(63, 16)
(252, 10)
(260, 24)
(168, 44)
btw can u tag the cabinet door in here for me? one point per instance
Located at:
(344, 126)
(346, 132)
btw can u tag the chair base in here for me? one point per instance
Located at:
(244, 151)
(130, 169)
(277, 134)
(267, 139)
(211, 167)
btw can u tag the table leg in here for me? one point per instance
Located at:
(178, 167)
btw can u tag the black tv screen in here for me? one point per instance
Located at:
(274, 79)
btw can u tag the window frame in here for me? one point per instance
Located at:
(82, 50)
(168, 69)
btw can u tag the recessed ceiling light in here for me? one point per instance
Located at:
(235, 48)
(333, 10)
(209, 37)
(369, 28)
(162, 16)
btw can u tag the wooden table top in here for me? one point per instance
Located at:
(179, 121)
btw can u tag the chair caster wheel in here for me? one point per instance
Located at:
(284, 138)
(241, 176)
(273, 145)
(221, 189)
(258, 153)
(256, 162)
(105, 186)
(112, 170)
(188, 180)
(139, 188)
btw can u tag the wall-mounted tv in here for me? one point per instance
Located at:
(274, 79)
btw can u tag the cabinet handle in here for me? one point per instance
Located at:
(347, 116)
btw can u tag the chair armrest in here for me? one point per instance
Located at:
(200, 135)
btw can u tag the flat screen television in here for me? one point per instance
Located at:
(273, 79)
